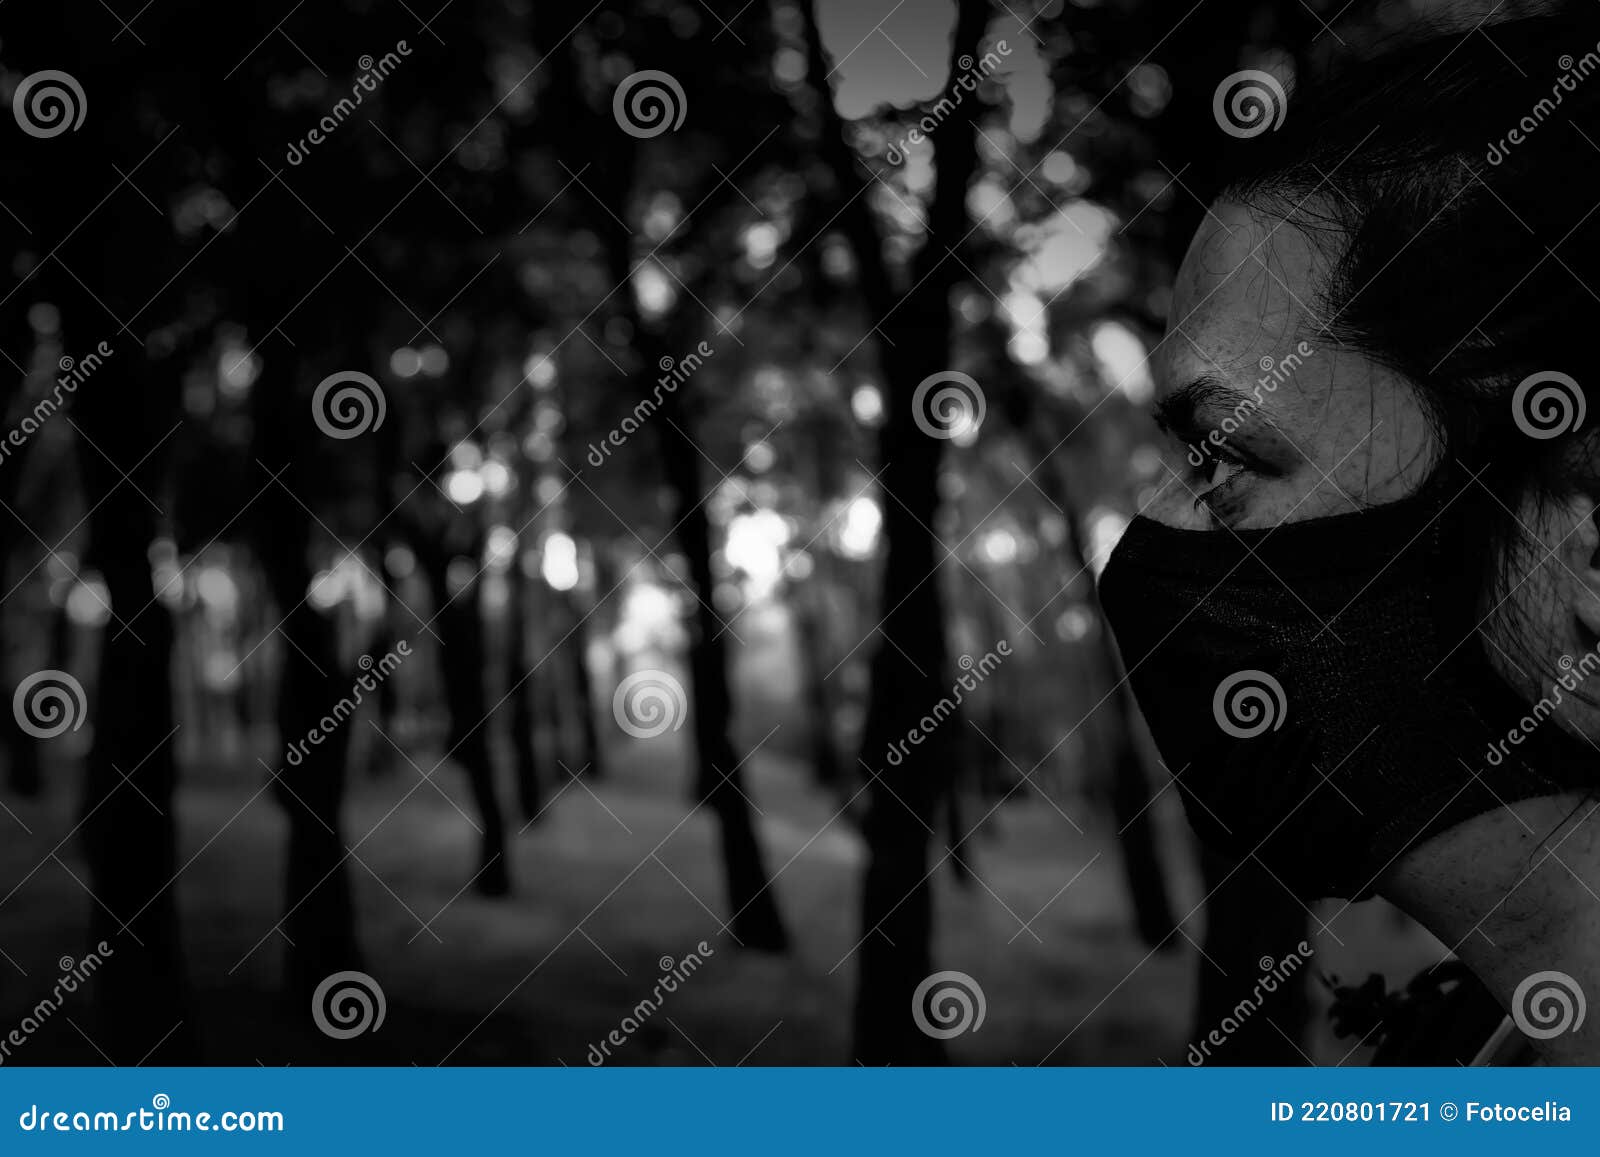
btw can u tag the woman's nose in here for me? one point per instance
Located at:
(1174, 500)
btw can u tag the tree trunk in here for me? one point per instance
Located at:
(908, 668)
(755, 922)
(589, 759)
(907, 672)
(810, 640)
(319, 908)
(129, 829)
(18, 339)
(22, 749)
(718, 779)
(22, 765)
(380, 755)
(521, 686)
(385, 462)
(461, 651)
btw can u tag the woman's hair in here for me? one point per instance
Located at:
(1453, 182)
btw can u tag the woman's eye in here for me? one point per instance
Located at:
(1223, 470)
(1214, 470)
(1216, 491)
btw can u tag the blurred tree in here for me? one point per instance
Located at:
(909, 666)
(727, 135)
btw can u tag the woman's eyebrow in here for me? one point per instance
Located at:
(1180, 411)
(1176, 411)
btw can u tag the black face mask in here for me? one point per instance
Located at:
(1319, 689)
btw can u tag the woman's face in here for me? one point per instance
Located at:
(1269, 421)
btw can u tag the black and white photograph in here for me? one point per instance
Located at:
(807, 534)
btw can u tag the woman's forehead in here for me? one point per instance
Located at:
(1248, 317)
(1247, 290)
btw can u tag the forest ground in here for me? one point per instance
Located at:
(539, 977)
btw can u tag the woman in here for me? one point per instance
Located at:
(1362, 609)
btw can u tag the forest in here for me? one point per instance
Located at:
(565, 533)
